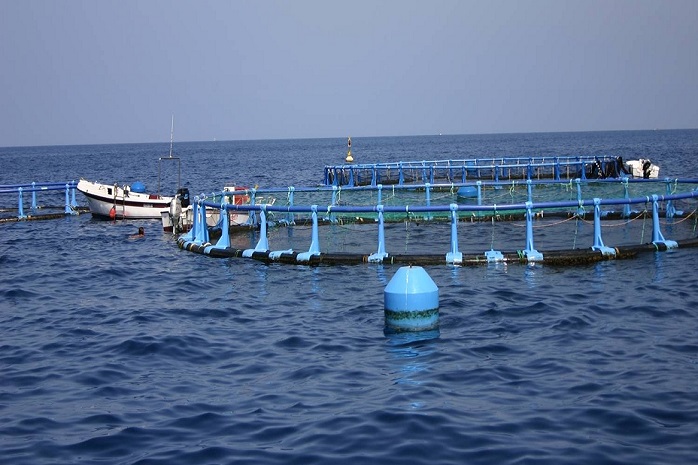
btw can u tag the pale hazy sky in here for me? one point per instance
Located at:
(108, 71)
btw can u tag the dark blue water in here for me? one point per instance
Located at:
(125, 351)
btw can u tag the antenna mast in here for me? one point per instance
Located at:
(171, 135)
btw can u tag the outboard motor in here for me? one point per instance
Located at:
(622, 169)
(183, 194)
(646, 169)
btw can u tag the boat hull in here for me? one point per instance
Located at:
(114, 202)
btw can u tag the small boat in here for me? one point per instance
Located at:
(643, 168)
(123, 202)
(179, 217)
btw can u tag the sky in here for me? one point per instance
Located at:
(116, 71)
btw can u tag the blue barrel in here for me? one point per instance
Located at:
(411, 301)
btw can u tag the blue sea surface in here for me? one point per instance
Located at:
(132, 351)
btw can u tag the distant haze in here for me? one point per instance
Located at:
(92, 72)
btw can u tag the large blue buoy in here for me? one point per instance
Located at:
(411, 301)
(138, 187)
(467, 191)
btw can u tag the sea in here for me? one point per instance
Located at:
(116, 350)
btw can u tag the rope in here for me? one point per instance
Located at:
(617, 223)
(407, 230)
(576, 232)
(523, 225)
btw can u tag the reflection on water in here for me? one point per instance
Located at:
(380, 273)
(531, 275)
(659, 264)
(411, 350)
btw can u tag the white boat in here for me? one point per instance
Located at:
(643, 168)
(123, 202)
(179, 217)
(130, 202)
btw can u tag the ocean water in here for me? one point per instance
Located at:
(122, 351)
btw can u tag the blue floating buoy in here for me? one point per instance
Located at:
(467, 191)
(411, 301)
(138, 187)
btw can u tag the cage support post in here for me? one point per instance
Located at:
(657, 237)
(580, 209)
(380, 254)
(290, 219)
(454, 256)
(331, 217)
(314, 239)
(626, 207)
(263, 243)
(531, 254)
(68, 210)
(33, 196)
(224, 241)
(427, 189)
(20, 213)
(670, 209)
(201, 234)
(598, 242)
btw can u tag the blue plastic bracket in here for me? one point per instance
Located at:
(529, 190)
(330, 216)
(33, 196)
(201, 233)
(626, 207)
(290, 218)
(580, 210)
(670, 209)
(263, 243)
(68, 209)
(224, 241)
(381, 253)
(454, 256)
(21, 214)
(598, 242)
(657, 237)
(531, 254)
(427, 189)
(314, 241)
